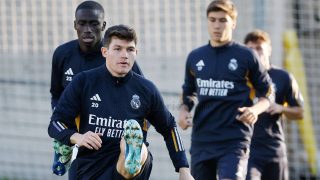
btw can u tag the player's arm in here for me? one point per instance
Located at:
(261, 82)
(188, 87)
(293, 109)
(89, 140)
(62, 125)
(188, 96)
(250, 114)
(164, 123)
(291, 112)
(56, 88)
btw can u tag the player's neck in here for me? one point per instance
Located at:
(88, 49)
(219, 43)
(115, 74)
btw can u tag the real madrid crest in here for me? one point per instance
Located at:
(233, 64)
(135, 102)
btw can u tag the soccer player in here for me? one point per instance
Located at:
(268, 158)
(107, 99)
(221, 74)
(74, 57)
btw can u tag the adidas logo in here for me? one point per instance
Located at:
(95, 98)
(69, 72)
(200, 64)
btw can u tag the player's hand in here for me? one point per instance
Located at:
(247, 115)
(275, 109)
(184, 174)
(185, 118)
(89, 140)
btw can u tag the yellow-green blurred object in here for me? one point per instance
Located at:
(294, 64)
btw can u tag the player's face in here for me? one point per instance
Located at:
(89, 24)
(220, 27)
(263, 49)
(120, 56)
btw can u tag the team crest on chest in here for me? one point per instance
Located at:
(233, 64)
(200, 65)
(135, 102)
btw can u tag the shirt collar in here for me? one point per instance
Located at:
(118, 80)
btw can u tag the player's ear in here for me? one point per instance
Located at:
(104, 51)
(74, 24)
(234, 24)
(103, 26)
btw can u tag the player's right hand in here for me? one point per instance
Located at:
(185, 118)
(247, 115)
(89, 140)
(185, 174)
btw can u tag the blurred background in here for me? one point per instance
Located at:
(168, 30)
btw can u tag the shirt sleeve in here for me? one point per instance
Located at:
(164, 123)
(56, 87)
(260, 79)
(188, 88)
(293, 97)
(62, 125)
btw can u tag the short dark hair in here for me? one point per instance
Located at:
(122, 32)
(226, 6)
(91, 5)
(257, 35)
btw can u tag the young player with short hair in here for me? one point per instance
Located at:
(221, 75)
(113, 102)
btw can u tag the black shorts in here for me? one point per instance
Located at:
(143, 175)
(231, 165)
(111, 172)
(263, 169)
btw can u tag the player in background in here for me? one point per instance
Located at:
(221, 75)
(107, 99)
(268, 159)
(76, 56)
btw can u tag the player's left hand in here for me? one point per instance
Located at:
(247, 115)
(185, 118)
(185, 174)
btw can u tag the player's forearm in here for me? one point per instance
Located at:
(60, 133)
(75, 138)
(59, 129)
(293, 113)
(261, 106)
(54, 102)
(187, 101)
(188, 92)
(176, 149)
(179, 160)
